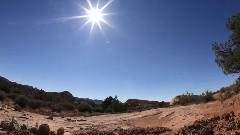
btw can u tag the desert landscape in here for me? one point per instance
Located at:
(119, 67)
(176, 119)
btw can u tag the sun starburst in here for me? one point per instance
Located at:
(95, 15)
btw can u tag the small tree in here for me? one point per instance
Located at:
(227, 55)
(111, 104)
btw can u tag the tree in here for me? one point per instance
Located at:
(107, 102)
(227, 55)
(111, 104)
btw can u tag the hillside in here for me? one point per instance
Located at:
(209, 113)
(64, 103)
(177, 119)
(39, 101)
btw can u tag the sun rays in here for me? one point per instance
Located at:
(93, 14)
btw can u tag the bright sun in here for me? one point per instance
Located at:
(95, 15)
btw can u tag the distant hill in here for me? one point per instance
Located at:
(31, 92)
(145, 104)
(32, 98)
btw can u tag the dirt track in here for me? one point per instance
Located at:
(173, 118)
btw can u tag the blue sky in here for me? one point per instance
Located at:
(156, 49)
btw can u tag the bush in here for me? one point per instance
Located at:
(43, 129)
(17, 108)
(226, 92)
(24, 127)
(36, 104)
(10, 125)
(34, 130)
(2, 96)
(60, 131)
(12, 95)
(22, 101)
(52, 133)
(56, 108)
(110, 109)
(111, 104)
(48, 104)
(85, 107)
(67, 106)
(208, 96)
(97, 109)
(6, 87)
(5, 125)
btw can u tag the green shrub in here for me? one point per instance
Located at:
(34, 130)
(97, 109)
(35, 104)
(43, 129)
(6, 87)
(24, 127)
(10, 125)
(226, 92)
(208, 96)
(85, 107)
(23, 101)
(2, 96)
(56, 108)
(52, 133)
(12, 95)
(111, 104)
(48, 104)
(67, 106)
(110, 109)
(60, 131)
(17, 108)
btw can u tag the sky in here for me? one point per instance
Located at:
(154, 49)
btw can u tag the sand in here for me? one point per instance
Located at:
(173, 118)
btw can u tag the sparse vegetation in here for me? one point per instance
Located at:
(24, 127)
(190, 98)
(113, 105)
(2, 96)
(56, 108)
(10, 125)
(35, 103)
(43, 129)
(17, 108)
(85, 107)
(226, 92)
(22, 101)
(60, 131)
(67, 106)
(12, 95)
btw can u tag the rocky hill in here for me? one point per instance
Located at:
(145, 103)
